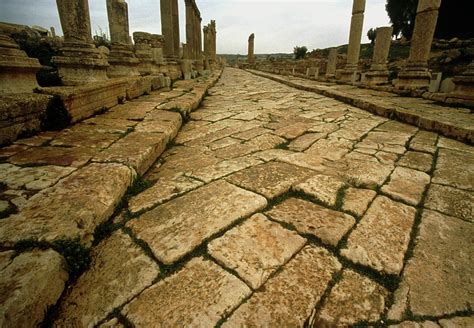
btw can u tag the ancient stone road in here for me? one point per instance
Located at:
(278, 207)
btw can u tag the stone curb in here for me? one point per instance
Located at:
(57, 212)
(411, 117)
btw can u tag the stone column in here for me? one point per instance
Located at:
(251, 49)
(416, 74)
(378, 73)
(167, 28)
(143, 52)
(205, 32)
(189, 30)
(53, 32)
(331, 64)
(199, 39)
(213, 41)
(355, 36)
(157, 42)
(175, 19)
(122, 60)
(17, 70)
(80, 61)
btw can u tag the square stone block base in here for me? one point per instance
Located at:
(373, 78)
(409, 80)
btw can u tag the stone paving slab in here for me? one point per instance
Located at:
(290, 296)
(256, 249)
(199, 295)
(451, 122)
(407, 185)
(176, 228)
(119, 271)
(451, 201)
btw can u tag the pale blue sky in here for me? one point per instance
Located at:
(278, 25)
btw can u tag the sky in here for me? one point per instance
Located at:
(279, 25)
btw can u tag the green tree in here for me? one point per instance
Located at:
(402, 14)
(372, 34)
(300, 52)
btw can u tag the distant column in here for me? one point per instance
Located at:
(416, 74)
(175, 17)
(167, 27)
(80, 61)
(121, 58)
(355, 36)
(189, 53)
(332, 63)
(251, 49)
(213, 41)
(378, 72)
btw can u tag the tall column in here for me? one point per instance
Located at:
(189, 53)
(355, 36)
(416, 74)
(80, 61)
(167, 27)
(175, 12)
(251, 49)
(213, 41)
(332, 63)
(378, 72)
(206, 36)
(121, 58)
(199, 40)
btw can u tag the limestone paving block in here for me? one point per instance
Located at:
(357, 200)
(270, 179)
(455, 168)
(293, 131)
(437, 279)
(413, 324)
(323, 187)
(305, 141)
(389, 224)
(83, 135)
(119, 271)
(407, 185)
(354, 298)
(330, 148)
(138, 150)
(451, 201)
(417, 161)
(223, 168)
(60, 156)
(71, 208)
(179, 226)
(289, 297)
(30, 283)
(461, 322)
(256, 249)
(365, 173)
(199, 295)
(164, 189)
(308, 218)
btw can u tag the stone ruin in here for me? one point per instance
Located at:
(92, 78)
(415, 77)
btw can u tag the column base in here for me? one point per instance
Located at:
(463, 92)
(413, 79)
(373, 78)
(81, 64)
(122, 62)
(348, 75)
(187, 68)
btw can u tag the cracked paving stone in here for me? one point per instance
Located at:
(354, 298)
(177, 227)
(308, 218)
(424, 141)
(407, 185)
(87, 137)
(323, 187)
(163, 190)
(305, 141)
(272, 154)
(331, 148)
(270, 179)
(293, 131)
(451, 201)
(416, 160)
(199, 295)
(119, 271)
(29, 284)
(413, 324)
(389, 224)
(457, 322)
(256, 249)
(61, 156)
(365, 173)
(112, 323)
(71, 208)
(289, 297)
(455, 169)
(221, 169)
(438, 278)
(357, 200)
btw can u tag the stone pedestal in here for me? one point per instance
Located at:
(157, 43)
(464, 87)
(349, 73)
(251, 49)
(416, 74)
(122, 60)
(378, 73)
(143, 52)
(331, 65)
(80, 62)
(17, 70)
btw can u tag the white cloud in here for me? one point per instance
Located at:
(278, 25)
